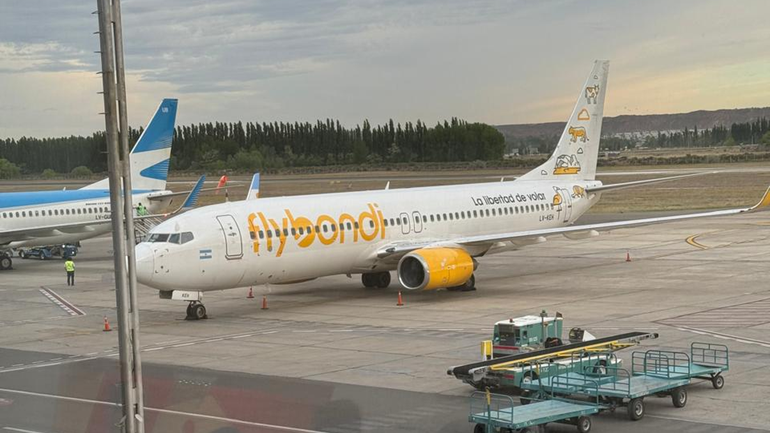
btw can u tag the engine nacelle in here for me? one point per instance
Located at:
(434, 268)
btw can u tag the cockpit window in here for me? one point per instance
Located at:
(158, 237)
(187, 237)
(173, 238)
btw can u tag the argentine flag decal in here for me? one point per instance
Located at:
(205, 254)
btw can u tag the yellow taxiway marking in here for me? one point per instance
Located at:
(691, 240)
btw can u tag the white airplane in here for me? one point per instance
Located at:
(432, 236)
(58, 217)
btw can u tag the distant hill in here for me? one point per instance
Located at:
(644, 123)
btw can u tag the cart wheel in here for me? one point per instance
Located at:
(480, 428)
(679, 397)
(636, 409)
(584, 424)
(718, 381)
(525, 397)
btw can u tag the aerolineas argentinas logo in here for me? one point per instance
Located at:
(366, 226)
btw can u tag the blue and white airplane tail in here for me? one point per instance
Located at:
(150, 157)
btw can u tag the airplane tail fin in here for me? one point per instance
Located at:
(253, 193)
(151, 154)
(578, 148)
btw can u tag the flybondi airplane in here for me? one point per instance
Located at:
(433, 237)
(58, 217)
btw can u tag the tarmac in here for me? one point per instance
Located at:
(331, 356)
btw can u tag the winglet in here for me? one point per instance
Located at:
(253, 188)
(763, 204)
(192, 198)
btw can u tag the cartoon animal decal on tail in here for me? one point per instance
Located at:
(577, 132)
(567, 164)
(592, 92)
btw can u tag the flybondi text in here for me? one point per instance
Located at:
(326, 229)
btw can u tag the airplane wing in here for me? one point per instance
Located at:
(575, 232)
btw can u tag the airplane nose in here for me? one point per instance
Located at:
(145, 263)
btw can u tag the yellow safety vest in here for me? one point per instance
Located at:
(69, 265)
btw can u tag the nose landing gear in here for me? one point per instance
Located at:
(196, 311)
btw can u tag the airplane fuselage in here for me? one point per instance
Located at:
(288, 239)
(33, 210)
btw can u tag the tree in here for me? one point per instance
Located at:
(49, 174)
(8, 169)
(766, 139)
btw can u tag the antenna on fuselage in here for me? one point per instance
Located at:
(387, 185)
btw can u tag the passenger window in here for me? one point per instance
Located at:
(487, 212)
(24, 213)
(371, 223)
(269, 233)
(493, 212)
(424, 219)
(293, 231)
(445, 217)
(457, 216)
(431, 218)
(174, 238)
(416, 219)
(37, 213)
(261, 234)
(450, 216)
(355, 225)
(188, 236)
(302, 230)
(349, 226)
(309, 229)
(385, 221)
(286, 232)
(317, 229)
(475, 214)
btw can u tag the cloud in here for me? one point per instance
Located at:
(508, 61)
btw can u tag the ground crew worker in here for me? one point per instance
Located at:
(69, 266)
(141, 210)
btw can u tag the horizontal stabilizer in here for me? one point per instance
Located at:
(602, 188)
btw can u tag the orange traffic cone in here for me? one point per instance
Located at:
(106, 325)
(251, 293)
(400, 302)
(264, 302)
(628, 256)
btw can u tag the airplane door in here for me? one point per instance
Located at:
(417, 221)
(232, 233)
(566, 203)
(404, 223)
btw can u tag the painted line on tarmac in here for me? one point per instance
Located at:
(20, 430)
(720, 424)
(691, 240)
(723, 336)
(166, 411)
(65, 305)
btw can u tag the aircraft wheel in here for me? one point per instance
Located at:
(636, 409)
(381, 279)
(22, 254)
(5, 262)
(199, 311)
(469, 285)
(480, 428)
(679, 397)
(368, 280)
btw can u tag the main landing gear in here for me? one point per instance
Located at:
(469, 285)
(379, 280)
(196, 311)
(5, 261)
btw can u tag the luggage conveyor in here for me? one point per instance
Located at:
(499, 371)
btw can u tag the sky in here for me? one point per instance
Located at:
(493, 61)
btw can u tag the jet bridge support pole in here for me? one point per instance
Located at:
(116, 122)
